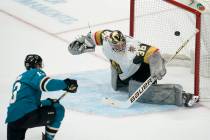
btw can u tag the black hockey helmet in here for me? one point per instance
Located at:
(32, 61)
(117, 40)
(117, 37)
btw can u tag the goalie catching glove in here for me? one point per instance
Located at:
(81, 45)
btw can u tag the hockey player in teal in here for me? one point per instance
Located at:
(26, 110)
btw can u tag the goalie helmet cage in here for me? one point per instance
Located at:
(168, 23)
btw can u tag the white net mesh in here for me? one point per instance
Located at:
(166, 26)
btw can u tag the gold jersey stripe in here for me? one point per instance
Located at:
(149, 52)
(98, 38)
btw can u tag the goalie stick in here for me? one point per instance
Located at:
(141, 90)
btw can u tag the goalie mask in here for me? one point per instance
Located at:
(117, 41)
(33, 61)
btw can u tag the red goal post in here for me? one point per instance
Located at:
(151, 19)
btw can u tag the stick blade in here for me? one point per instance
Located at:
(115, 103)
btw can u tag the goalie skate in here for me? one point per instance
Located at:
(189, 99)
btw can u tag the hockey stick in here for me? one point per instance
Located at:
(65, 93)
(141, 90)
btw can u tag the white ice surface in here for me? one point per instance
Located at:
(18, 38)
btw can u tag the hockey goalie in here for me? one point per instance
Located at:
(132, 62)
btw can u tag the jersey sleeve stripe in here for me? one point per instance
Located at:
(43, 83)
(51, 128)
(150, 51)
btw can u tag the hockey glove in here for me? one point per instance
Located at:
(157, 65)
(71, 85)
(81, 45)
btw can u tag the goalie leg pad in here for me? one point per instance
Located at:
(170, 94)
(114, 78)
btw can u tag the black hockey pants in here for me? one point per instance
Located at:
(41, 117)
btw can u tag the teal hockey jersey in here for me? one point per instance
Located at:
(27, 90)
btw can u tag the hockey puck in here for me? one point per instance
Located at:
(177, 33)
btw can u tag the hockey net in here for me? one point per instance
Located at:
(166, 24)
